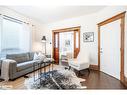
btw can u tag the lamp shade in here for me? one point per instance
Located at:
(43, 39)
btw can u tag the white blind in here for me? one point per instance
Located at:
(15, 37)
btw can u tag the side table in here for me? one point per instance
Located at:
(42, 72)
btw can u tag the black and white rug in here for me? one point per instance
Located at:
(61, 79)
(1, 80)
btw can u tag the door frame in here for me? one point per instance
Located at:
(120, 17)
(65, 30)
(57, 44)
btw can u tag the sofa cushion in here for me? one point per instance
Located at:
(24, 65)
(22, 57)
(0, 64)
(31, 56)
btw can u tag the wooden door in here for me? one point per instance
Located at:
(55, 40)
(76, 43)
(56, 47)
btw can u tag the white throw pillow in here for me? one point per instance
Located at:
(35, 56)
(39, 56)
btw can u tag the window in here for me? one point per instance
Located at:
(56, 41)
(14, 37)
(66, 44)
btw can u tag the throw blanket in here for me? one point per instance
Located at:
(5, 69)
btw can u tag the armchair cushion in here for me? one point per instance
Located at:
(78, 64)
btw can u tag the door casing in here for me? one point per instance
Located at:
(75, 29)
(120, 16)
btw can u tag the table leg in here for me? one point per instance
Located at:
(52, 68)
(44, 70)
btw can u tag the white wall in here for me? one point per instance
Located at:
(88, 23)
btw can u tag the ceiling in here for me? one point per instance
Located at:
(54, 13)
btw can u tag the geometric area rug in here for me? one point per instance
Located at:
(60, 79)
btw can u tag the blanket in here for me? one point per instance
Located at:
(5, 69)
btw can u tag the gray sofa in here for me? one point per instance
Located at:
(23, 64)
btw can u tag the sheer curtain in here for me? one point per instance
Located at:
(0, 36)
(25, 37)
(15, 37)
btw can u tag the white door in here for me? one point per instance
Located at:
(110, 49)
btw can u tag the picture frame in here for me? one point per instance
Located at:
(88, 37)
(67, 43)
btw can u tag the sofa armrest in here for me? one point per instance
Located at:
(12, 65)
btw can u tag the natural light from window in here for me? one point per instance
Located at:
(15, 37)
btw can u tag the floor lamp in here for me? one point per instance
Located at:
(44, 41)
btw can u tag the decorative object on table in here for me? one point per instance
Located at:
(44, 41)
(88, 37)
(61, 79)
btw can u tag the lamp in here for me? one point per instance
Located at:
(44, 41)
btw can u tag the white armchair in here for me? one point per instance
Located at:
(80, 63)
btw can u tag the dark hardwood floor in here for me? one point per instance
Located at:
(100, 80)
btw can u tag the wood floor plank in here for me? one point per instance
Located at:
(94, 80)
(100, 80)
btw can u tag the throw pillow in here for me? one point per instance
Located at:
(39, 56)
